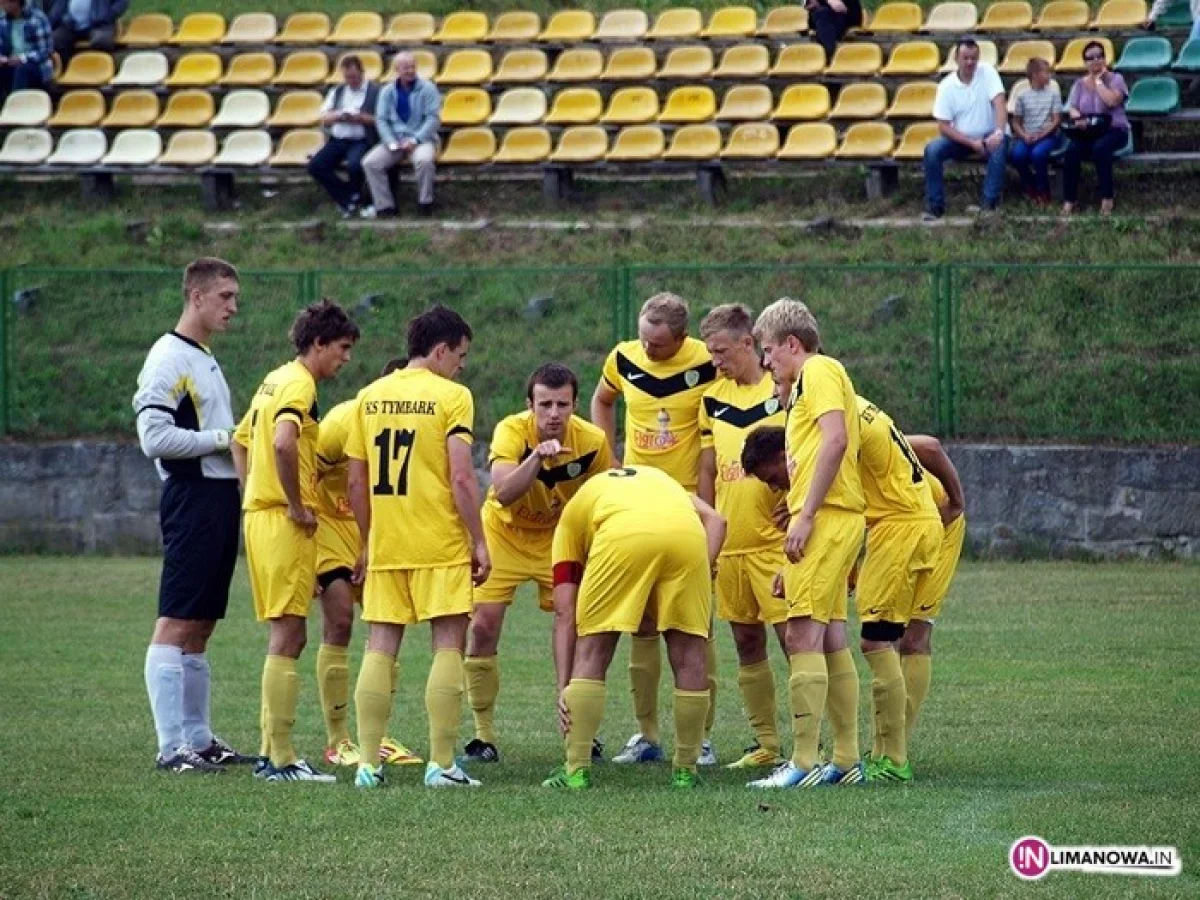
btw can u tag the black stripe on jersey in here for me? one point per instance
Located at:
(157, 406)
(460, 429)
(556, 475)
(290, 410)
(735, 415)
(327, 462)
(188, 418)
(188, 340)
(315, 412)
(667, 386)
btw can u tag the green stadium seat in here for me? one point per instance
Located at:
(1156, 96)
(1189, 58)
(1145, 54)
(1178, 15)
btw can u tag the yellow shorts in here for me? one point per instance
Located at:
(282, 561)
(744, 583)
(663, 576)
(518, 555)
(933, 586)
(337, 544)
(408, 596)
(815, 587)
(898, 553)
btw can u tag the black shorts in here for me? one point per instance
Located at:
(200, 520)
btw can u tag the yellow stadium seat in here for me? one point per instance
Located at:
(520, 27)
(525, 146)
(811, 140)
(569, 26)
(799, 60)
(357, 29)
(250, 28)
(1063, 15)
(1072, 55)
(864, 100)
(78, 109)
(1021, 52)
(79, 147)
(242, 109)
(147, 30)
(466, 106)
(576, 106)
(134, 147)
(746, 103)
(913, 58)
(695, 142)
(867, 140)
(191, 149)
(187, 109)
(638, 143)
(953, 18)
(744, 61)
(200, 30)
(677, 25)
(731, 22)
(631, 106)
(581, 144)
(426, 65)
(916, 136)
(784, 21)
(802, 101)
(856, 59)
(688, 63)
(902, 18)
(466, 67)
(372, 65)
(249, 70)
(297, 147)
(913, 100)
(297, 109)
(519, 106)
(693, 103)
(630, 64)
(465, 27)
(988, 55)
(577, 65)
(304, 28)
(1007, 15)
(521, 67)
(133, 109)
(26, 109)
(146, 68)
(244, 148)
(26, 147)
(196, 70)
(410, 28)
(1021, 86)
(469, 147)
(303, 68)
(623, 25)
(1121, 14)
(752, 140)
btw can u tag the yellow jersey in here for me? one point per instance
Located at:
(332, 463)
(400, 427)
(894, 484)
(288, 394)
(822, 387)
(728, 413)
(661, 404)
(557, 480)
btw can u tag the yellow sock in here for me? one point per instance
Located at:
(443, 704)
(373, 703)
(757, 682)
(483, 684)
(711, 715)
(645, 669)
(281, 687)
(691, 708)
(333, 686)
(918, 672)
(264, 742)
(843, 707)
(887, 696)
(808, 686)
(585, 703)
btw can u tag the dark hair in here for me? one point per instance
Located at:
(351, 61)
(323, 322)
(396, 362)
(762, 446)
(552, 375)
(201, 272)
(437, 325)
(967, 42)
(1099, 46)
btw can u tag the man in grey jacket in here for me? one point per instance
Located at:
(94, 21)
(407, 116)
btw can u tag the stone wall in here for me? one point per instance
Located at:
(93, 497)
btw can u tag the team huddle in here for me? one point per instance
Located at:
(751, 470)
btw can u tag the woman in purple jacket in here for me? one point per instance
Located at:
(1098, 93)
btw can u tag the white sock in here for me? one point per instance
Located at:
(164, 684)
(195, 701)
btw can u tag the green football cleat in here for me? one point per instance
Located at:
(579, 780)
(685, 778)
(369, 776)
(883, 769)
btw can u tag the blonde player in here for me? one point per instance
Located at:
(753, 552)
(630, 545)
(539, 459)
(661, 377)
(275, 455)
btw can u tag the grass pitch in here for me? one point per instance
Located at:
(1063, 705)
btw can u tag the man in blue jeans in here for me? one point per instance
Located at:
(25, 47)
(349, 119)
(972, 117)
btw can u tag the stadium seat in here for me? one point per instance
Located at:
(244, 148)
(581, 144)
(731, 22)
(687, 63)
(372, 65)
(810, 140)
(133, 109)
(1021, 86)
(1072, 55)
(746, 103)
(802, 101)
(913, 58)
(864, 100)
(1021, 52)
(356, 29)
(515, 27)
(752, 140)
(147, 30)
(249, 70)
(1156, 96)
(188, 109)
(623, 25)
(26, 147)
(693, 103)
(242, 109)
(195, 70)
(297, 109)
(916, 136)
(249, 29)
(427, 64)
(1145, 54)
(1116, 15)
(784, 21)
(519, 106)
(867, 140)
(146, 68)
(638, 143)
(856, 59)
(694, 142)
(896, 18)
(297, 147)
(79, 147)
(988, 55)
(1007, 15)
(469, 147)
(577, 65)
(521, 67)
(191, 149)
(466, 106)
(464, 27)
(78, 109)
(466, 67)
(576, 106)
(630, 64)
(744, 61)
(524, 146)
(569, 27)
(631, 106)
(199, 30)
(134, 147)
(678, 24)
(1177, 15)
(26, 109)
(952, 18)
(913, 100)
(1189, 58)
(800, 60)
(303, 68)
(303, 28)
(1063, 15)
(410, 28)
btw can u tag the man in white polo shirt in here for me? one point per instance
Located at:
(349, 119)
(972, 118)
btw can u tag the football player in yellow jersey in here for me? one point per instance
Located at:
(753, 553)
(661, 377)
(630, 546)
(275, 450)
(415, 496)
(539, 459)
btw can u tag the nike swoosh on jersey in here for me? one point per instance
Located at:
(736, 416)
(668, 385)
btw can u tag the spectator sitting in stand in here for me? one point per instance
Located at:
(25, 48)
(831, 19)
(93, 21)
(1098, 128)
(348, 117)
(1036, 114)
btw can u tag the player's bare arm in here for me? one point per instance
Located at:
(714, 528)
(465, 489)
(512, 482)
(829, 458)
(241, 463)
(287, 462)
(604, 414)
(936, 461)
(359, 498)
(706, 488)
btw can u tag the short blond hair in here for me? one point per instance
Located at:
(666, 309)
(787, 317)
(732, 317)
